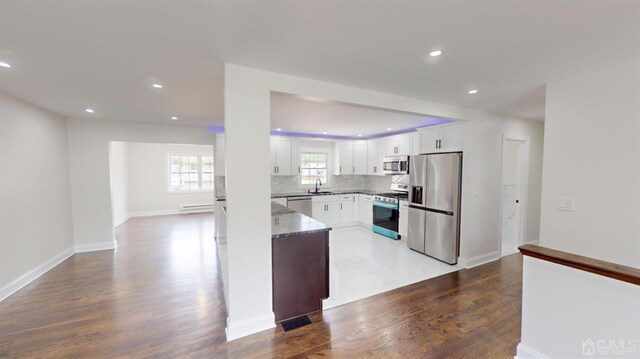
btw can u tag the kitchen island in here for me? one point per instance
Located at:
(300, 262)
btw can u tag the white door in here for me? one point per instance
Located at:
(514, 173)
(360, 157)
(404, 145)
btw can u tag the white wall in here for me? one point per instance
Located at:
(35, 205)
(592, 154)
(89, 170)
(247, 94)
(480, 238)
(149, 179)
(562, 307)
(510, 162)
(119, 172)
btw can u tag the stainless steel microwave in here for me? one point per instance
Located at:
(396, 165)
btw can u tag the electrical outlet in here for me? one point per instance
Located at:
(567, 204)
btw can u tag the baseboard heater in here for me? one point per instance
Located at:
(196, 207)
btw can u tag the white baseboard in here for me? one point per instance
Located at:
(120, 221)
(524, 352)
(34, 274)
(245, 327)
(167, 212)
(92, 247)
(478, 260)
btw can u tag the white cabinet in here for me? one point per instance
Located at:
(366, 209)
(280, 156)
(403, 220)
(345, 158)
(398, 145)
(360, 157)
(346, 209)
(375, 157)
(295, 156)
(334, 210)
(445, 138)
(415, 143)
(219, 156)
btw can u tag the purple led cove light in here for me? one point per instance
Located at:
(216, 129)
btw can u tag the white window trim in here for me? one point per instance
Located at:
(324, 151)
(187, 191)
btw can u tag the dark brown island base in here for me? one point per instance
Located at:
(300, 257)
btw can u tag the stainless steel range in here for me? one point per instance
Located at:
(386, 210)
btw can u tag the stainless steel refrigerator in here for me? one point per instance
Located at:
(434, 205)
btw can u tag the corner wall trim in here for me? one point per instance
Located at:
(524, 352)
(242, 328)
(91, 247)
(479, 260)
(34, 273)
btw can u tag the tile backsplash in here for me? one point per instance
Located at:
(287, 184)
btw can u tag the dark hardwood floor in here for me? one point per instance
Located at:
(160, 295)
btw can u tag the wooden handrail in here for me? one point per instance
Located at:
(607, 269)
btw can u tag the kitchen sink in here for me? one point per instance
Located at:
(320, 192)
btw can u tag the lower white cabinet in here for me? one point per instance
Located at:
(334, 210)
(366, 209)
(403, 220)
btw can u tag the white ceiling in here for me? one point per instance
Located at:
(294, 114)
(68, 55)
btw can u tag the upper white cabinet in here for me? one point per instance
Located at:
(345, 158)
(219, 156)
(360, 157)
(398, 145)
(444, 138)
(375, 157)
(281, 156)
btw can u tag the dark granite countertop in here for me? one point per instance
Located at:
(222, 197)
(286, 222)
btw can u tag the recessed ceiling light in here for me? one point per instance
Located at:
(359, 135)
(4, 64)
(435, 53)
(474, 91)
(278, 129)
(389, 129)
(174, 118)
(88, 110)
(158, 86)
(324, 133)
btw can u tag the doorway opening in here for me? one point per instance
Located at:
(515, 174)
(151, 179)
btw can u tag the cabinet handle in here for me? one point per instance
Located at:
(274, 169)
(340, 171)
(374, 169)
(340, 206)
(354, 169)
(298, 169)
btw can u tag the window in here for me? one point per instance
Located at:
(312, 167)
(190, 173)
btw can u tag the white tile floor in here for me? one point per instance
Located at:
(364, 264)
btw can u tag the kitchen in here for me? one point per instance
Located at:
(359, 186)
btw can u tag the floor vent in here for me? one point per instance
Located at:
(295, 323)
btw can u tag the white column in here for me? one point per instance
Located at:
(247, 122)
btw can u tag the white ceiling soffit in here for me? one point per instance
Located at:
(297, 114)
(68, 55)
